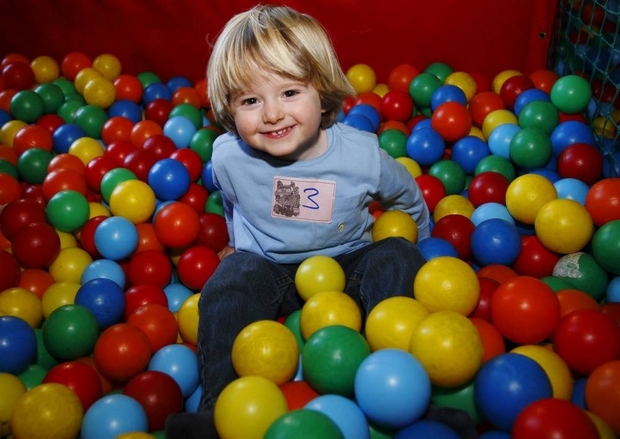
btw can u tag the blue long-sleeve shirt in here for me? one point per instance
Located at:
(289, 211)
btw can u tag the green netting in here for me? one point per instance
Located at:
(586, 43)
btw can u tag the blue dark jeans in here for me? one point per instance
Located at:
(246, 288)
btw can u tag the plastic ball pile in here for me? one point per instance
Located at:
(110, 225)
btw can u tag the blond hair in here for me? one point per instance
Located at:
(279, 40)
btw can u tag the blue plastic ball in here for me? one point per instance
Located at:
(506, 384)
(116, 238)
(104, 298)
(192, 402)
(447, 93)
(181, 363)
(104, 269)
(125, 108)
(207, 177)
(500, 138)
(156, 90)
(468, 151)
(180, 130)
(527, 96)
(169, 179)
(578, 396)
(359, 121)
(344, 413)
(65, 135)
(428, 429)
(425, 146)
(112, 416)
(570, 132)
(572, 189)
(18, 345)
(176, 293)
(424, 123)
(495, 241)
(491, 210)
(392, 388)
(434, 247)
(177, 82)
(612, 293)
(369, 111)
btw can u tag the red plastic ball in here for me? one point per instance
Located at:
(525, 310)
(118, 150)
(492, 341)
(543, 79)
(32, 136)
(96, 169)
(158, 111)
(87, 235)
(400, 77)
(513, 87)
(36, 245)
(191, 160)
(488, 187)
(535, 259)
(63, 179)
(51, 122)
(432, 189)
(370, 98)
(213, 231)
(160, 146)
(150, 267)
(73, 63)
(602, 396)
(34, 192)
(128, 87)
(140, 163)
(487, 288)
(484, 103)
(66, 161)
(581, 161)
(143, 294)
(195, 197)
(396, 105)
(176, 225)
(82, 379)
(452, 120)
(158, 393)
(586, 339)
(157, 322)
(122, 351)
(612, 309)
(10, 189)
(147, 240)
(20, 213)
(603, 201)
(10, 272)
(18, 76)
(457, 230)
(196, 265)
(143, 130)
(298, 393)
(116, 128)
(553, 418)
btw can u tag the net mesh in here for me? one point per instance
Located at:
(585, 42)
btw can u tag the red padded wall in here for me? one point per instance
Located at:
(171, 37)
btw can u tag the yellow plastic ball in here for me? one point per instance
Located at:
(319, 273)
(564, 226)
(100, 92)
(9, 130)
(98, 209)
(449, 347)
(83, 77)
(133, 200)
(476, 132)
(453, 205)
(58, 294)
(526, 194)
(86, 149)
(12, 389)
(45, 69)
(108, 65)
(411, 165)
(135, 435)
(501, 77)
(395, 223)
(329, 308)
(464, 81)
(267, 349)
(22, 303)
(392, 321)
(447, 283)
(47, 411)
(69, 264)
(362, 77)
(554, 366)
(187, 319)
(247, 407)
(604, 430)
(67, 239)
(496, 118)
(381, 89)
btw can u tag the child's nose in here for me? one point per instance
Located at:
(272, 112)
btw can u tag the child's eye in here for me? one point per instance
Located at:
(249, 101)
(290, 93)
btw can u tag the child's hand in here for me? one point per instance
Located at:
(225, 252)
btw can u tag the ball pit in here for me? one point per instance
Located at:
(104, 167)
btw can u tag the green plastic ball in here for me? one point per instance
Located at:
(293, 322)
(214, 203)
(147, 78)
(451, 174)
(557, 283)
(439, 69)
(530, 148)
(67, 87)
(91, 119)
(190, 112)
(70, 332)
(67, 210)
(113, 178)
(422, 87)
(571, 94)
(330, 358)
(32, 165)
(496, 163)
(7, 167)
(606, 246)
(202, 143)
(539, 114)
(583, 273)
(27, 106)
(52, 97)
(310, 424)
(394, 142)
(68, 109)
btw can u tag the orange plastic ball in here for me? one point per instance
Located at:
(602, 395)
(452, 121)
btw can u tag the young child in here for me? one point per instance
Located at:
(294, 183)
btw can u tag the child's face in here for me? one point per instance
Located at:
(280, 116)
